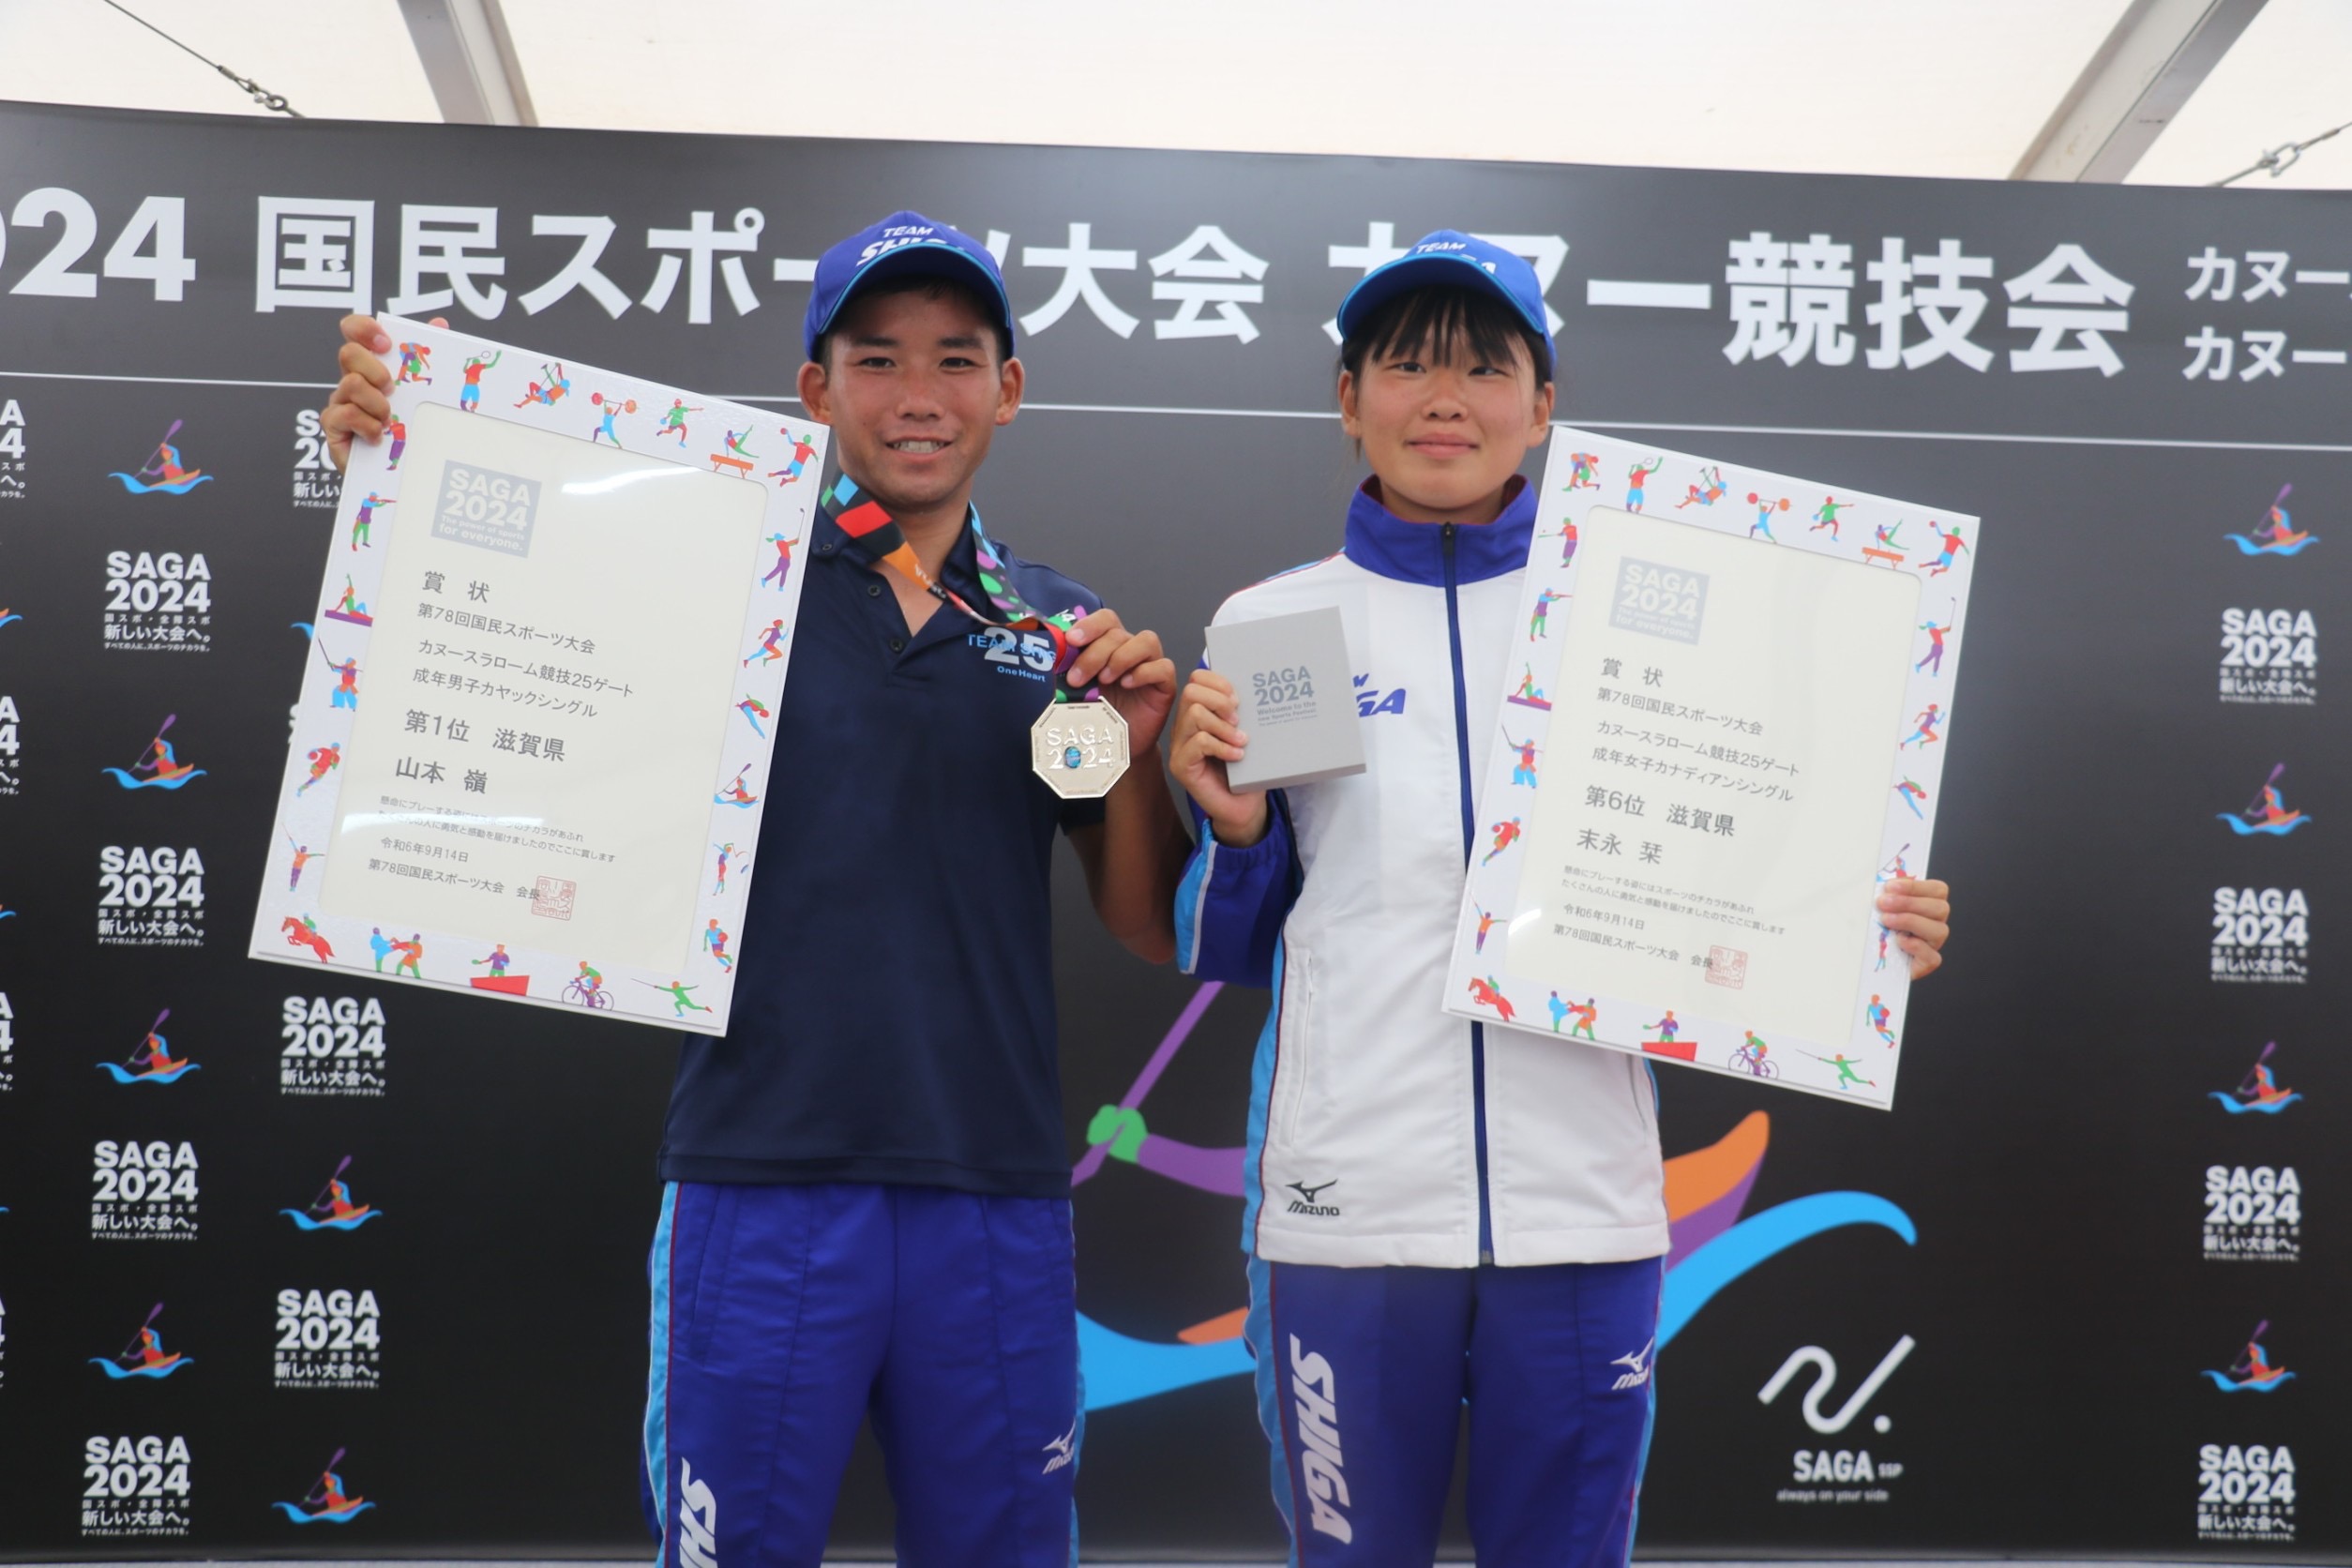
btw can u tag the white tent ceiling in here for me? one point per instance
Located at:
(1859, 86)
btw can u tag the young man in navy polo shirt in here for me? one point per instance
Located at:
(866, 1207)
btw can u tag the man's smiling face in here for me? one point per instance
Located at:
(915, 390)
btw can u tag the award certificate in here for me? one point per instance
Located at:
(532, 748)
(1724, 730)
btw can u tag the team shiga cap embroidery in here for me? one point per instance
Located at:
(905, 244)
(1450, 259)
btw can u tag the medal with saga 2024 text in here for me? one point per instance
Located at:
(1079, 747)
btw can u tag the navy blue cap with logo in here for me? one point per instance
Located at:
(1450, 259)
(901, 244)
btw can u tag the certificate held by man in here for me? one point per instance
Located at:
(1723, 731)
(532, 743)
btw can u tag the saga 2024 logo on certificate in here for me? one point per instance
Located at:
(532, 749)
(1722, 732)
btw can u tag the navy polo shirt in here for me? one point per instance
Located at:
(893, 1015)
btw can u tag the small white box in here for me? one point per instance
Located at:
(1298, 704)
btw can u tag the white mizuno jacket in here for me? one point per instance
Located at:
(1381, 1129)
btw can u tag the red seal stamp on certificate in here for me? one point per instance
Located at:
(552, 898)
(1727, 966)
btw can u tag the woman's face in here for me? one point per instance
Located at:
(1444, 437)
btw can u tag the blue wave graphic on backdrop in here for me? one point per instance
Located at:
(2223, 1381)
(180, 487)
(306, 1223)
(2243, 828)
(171, 1077)
(127, 782)
(2248, 547)
(117, 1371)
(1692, 1283)
(1119, 1369)
(2237, 1106)
(344, 1516)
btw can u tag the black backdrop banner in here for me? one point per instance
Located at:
(2018, 1314)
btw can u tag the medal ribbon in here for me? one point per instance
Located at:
(875, 530)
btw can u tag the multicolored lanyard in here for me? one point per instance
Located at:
(875, 530)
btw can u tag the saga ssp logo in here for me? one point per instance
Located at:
(1852, 1471)
(157, 602)
(2245, 1494)
(316, 485)
(2261, 936)
(698, 1520)
(1315, 1387)
(136, 1486)
(11, 777)
(327, 1501)
(329, 1339)
(143, 1192)
(334, 1045)
(11, 449)
(2254, 1214)
(1371, 699)
(1308, 1201)
(150, 897)
(1837, 1475)
(8, 1043)
(2270, 658)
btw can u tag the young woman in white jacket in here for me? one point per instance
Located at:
(1435, 1211)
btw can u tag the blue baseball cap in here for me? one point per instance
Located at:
(1450, 259)
(902, 243)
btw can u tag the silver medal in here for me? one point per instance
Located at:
(1078, 748)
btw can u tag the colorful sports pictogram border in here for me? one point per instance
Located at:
(1585, 470)
(489, 380)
